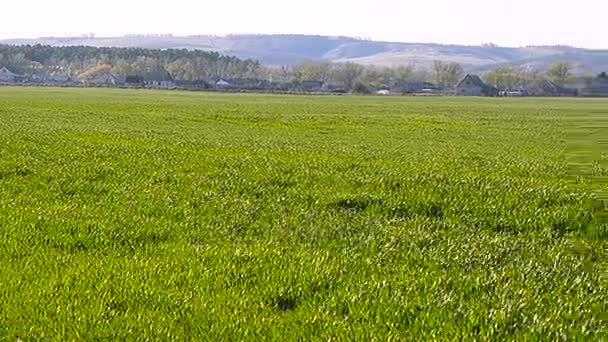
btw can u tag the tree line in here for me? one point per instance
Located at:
(444, 75)
(88, 62)
(85, 61)
(511, 77)
(351, 75)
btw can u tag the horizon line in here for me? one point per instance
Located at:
(93, 35)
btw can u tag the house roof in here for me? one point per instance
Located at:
(158, 76)
(474, 79)
(600, 84)
(133, 79)
(10, 70)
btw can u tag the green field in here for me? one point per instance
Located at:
(136, 215)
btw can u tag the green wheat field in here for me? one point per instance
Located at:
(151, 215)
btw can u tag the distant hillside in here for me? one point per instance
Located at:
(291, 49)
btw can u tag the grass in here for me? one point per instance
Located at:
(137, 215)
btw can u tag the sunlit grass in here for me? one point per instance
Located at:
(174, 215)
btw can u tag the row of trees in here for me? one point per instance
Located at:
(346, 74)
(84, 61)
(88, 62)
(509, 77)
(444, 75)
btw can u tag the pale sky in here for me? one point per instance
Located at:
(581, 23)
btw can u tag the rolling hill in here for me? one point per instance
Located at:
(291, 49)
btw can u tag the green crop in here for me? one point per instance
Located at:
(149, 215)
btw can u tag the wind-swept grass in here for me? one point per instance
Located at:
(174, 215)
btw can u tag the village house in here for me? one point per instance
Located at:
(159, 79)
(599, 85)
(8, 76)
(472, 85)
(119, 80)
(134, 81)
(550, 88)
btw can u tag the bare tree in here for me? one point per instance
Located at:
(348, 73)
(446, 74)
(560, 72)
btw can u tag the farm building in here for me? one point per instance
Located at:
(472, 85)
(599, 85)
(8, 76)
(160, 79)
(550, 88)
(134, 81)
